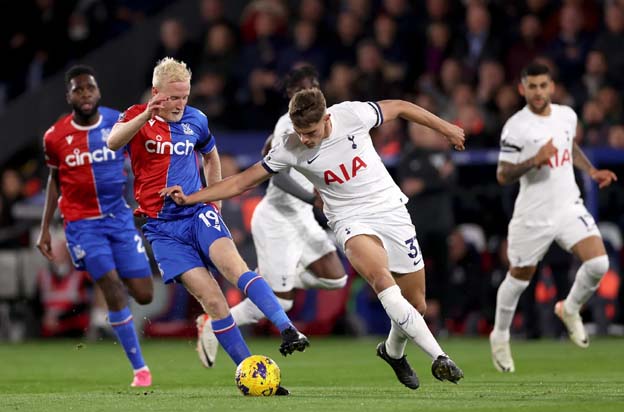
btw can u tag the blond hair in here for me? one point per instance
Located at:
(170, 70)
(307, 108)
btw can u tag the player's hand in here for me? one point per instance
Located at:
(44, 244)
(318, 201)
(544, 154)
(603, 177)
(156, 104)
(455, 136)
(176, 194)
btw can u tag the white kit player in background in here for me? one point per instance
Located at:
(293, 250)
(538, 148)
(332, 147)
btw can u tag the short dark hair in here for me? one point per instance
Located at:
(76, 71)
(296, 76)
(307, 107)
(534, 69)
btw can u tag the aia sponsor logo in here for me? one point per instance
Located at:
(78, 158)
(344, 172)
(559, 161)
(158, 146)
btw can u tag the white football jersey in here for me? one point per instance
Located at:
(545, 190)
(344, 167)
(281, 200)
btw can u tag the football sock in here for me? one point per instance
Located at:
(245, 312)
(307, 280)
(409, 320)
(230, 338)
(507, 298)
(122, 324)
(395, 342)
(586, 282)
(255, 288)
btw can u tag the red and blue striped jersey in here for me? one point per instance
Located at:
(163, 154)
(91, 176)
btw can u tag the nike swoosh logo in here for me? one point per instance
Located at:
(313, 159)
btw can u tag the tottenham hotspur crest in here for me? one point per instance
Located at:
(186, 129)
(351, 138)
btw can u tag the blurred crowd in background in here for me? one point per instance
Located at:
(460, 59)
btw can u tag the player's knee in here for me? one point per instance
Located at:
(143, 297)
(597, 267)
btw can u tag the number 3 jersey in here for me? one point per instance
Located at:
(547, 189)
(91, 176)
(163, 154)
(344, 167)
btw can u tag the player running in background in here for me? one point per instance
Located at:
(332, 147)
(162, 137)
(87, 180)
(293, 250)
(538, 148)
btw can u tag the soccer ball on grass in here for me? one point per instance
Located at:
(258, 375)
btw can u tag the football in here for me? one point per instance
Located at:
(258, 375)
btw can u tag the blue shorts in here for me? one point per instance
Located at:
(111, 242)
(183, 244)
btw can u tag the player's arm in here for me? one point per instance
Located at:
(285, 182)
(508, 173)
(212, 169)
(267, 145)
(122, 133)
(44, 242)
(393, 109)
(603, 177)
(225, 189)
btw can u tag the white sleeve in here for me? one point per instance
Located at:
(278, 159)
(511, 145)
(369, 113)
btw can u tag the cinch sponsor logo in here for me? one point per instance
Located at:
(78, 158)
(185, 147)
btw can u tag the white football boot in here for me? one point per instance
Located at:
(501, 355)
(574, 324)
(207, 343)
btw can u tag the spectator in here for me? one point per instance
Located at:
(526, 48)
(339, 85)
(304, 49)
(616, 137)
(610, 42)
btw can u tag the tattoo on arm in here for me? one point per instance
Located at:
(579, 159)
(508, 173)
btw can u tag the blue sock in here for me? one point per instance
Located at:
(255, 287)
(230, 338)
(126, 335)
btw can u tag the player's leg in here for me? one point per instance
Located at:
(368, 257)
(90, 248)
(507, 297)
(122, 322)
(278, 249)
(323, 268)
(228, 261)
(595, 263)
(202, 285)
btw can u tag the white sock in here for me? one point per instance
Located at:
(409, 320)
(395, 342)
(307, 280)
(99, 318)
(507, 298)
(586, 282)
(245, 312)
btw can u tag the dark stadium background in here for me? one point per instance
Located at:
(364, 50)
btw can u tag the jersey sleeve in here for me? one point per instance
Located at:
(278, 159)
(511, 145)
(51, 157)
(369, 113)
(206, 142)
(131, 113)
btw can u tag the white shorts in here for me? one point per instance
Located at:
(529, 241)
(286, 243)
(396, 232)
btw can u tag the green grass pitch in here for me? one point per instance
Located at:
(332, 375)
